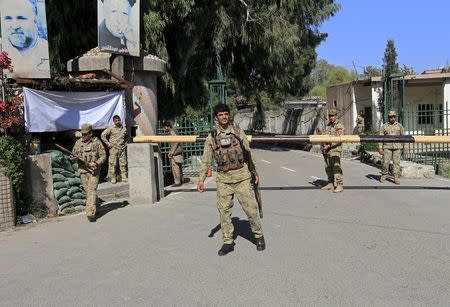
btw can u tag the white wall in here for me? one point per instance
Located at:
(377, 121)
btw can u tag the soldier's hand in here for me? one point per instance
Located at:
(381, 151)
(110, 145)
(92, 165)
(325, 147)
(170, 155)
(201, 186)
(73, 158)
(256, 179)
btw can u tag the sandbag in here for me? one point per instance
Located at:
(58, 178)
(57, 170)
(67, 174)
(73, 190)
(78, 202)
(60, 185)
(64, 199)
(74, 181)
(60, 193)
(78, 195)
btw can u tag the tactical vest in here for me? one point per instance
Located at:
(88, 152)
(228, 151)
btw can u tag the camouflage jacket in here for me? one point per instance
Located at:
(232, 176)
(116, 136)
(90, 151)
(337, 129)
(391, 129)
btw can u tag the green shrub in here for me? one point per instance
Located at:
(12, 162)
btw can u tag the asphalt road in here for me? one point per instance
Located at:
(373, 244)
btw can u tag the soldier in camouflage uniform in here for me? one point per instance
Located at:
(360, 122)
(89, 149)
(176, 157)
(231, 150)
(115, 138)
(391, 151)
(332, 154)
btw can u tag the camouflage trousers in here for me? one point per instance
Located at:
(117, 156)
(90, 184)
(394, 155)
(177, 171)
(333, 168)
(244, 193)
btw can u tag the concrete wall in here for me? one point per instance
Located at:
(39, 182)
(342, 97)
(298, 121)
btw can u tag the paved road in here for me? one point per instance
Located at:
(371, 245)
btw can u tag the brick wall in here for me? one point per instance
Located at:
(7, 206)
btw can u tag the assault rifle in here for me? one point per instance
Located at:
(86, 164)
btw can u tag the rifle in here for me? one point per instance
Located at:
(252, 167)
(86, 164)
(257, 194)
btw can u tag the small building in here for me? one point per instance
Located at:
(425, 106)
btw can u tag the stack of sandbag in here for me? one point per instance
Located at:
(67, 187)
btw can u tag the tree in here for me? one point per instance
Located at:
(371, 71)
(390, 65)
(407, 70)
(265, 45)
(324, 75)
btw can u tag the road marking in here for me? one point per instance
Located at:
(314, 177)
(288, 169)
(265, 161)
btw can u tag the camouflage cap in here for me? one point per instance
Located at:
(392, 113)
(332, 112)
(85, 128)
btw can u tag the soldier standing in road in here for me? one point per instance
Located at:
(176, 157)
(92, 153)
(231, 150)
(360, 122)
(391, 151)
(332, 154)
(115, 138)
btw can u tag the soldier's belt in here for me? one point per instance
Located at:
(314, 139)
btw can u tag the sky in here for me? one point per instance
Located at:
(358, 33)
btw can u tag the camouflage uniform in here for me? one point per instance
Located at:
(360, 124)
(392, 151)
(117, 153)
(232, 182)
(90, 151)
(176, 149)
(332, 156)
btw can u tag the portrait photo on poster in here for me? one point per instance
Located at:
(118, 26)
(24, 38)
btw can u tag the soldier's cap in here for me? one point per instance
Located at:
(332, 112)
(392, 113)
(85, 128)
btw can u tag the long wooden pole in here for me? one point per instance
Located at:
(314, 139)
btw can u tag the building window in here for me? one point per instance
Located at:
(425, 114)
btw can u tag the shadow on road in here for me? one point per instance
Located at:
(316, 186)
(241, 229)
(107, 207)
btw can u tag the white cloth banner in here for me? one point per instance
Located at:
(59, 111)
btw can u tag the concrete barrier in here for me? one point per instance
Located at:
(144, 173)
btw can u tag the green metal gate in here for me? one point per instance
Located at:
(192, 152)
(427, 119)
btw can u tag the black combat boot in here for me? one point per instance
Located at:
(226, 248)
(260, 244)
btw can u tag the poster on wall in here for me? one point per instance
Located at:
(24, 38)
(118, 26)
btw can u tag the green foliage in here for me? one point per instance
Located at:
(390, 65)
(12, 161)
(324, 75)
